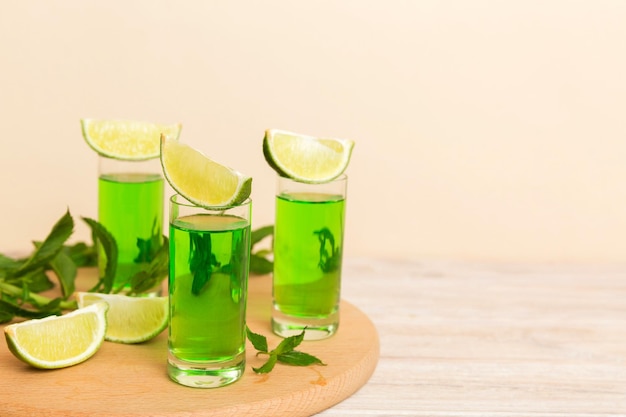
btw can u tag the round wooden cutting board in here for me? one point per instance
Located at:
(131, 380)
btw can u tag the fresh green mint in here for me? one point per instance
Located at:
(202, 261)
(259, 260)
(284, 353)
(22, 279)
(148, 248)
(100, 235)
(154, 272)
(330, 260)
(152, 252)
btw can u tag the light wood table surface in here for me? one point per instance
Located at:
(476, 339)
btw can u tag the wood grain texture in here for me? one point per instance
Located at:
(456, 339)
(131, 380)
(491, 339)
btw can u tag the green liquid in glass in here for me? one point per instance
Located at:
(130, 207)
(308, 245)
(209, 261)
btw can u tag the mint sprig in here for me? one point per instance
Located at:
(23, 279)
(284, 353)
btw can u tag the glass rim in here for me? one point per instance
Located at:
(342, 177)
(123, 159)
(186, 203)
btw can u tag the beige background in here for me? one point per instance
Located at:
(490, 130)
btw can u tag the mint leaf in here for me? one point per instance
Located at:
(36, 280)
(297, 358)
(258, 341)
(10, 309)
(288, 344)
(109, 245)
(51, 246)
(261, 233)
(201, 261)
(65, 270)
(82, 254)
(7, 264)
(21, 280)
(259, 263)
(148, 248)
(267, 366)
(154, 273)
(283, 353)
(5, 317)
(329, 260)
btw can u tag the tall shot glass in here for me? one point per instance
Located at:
(130, 207)
(308, 246)
(208, 288)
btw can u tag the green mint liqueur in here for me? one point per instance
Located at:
(130, 207)
(307, 254)
(209, 261)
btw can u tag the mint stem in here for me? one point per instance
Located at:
(38, 299)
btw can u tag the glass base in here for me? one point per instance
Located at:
(204, 376)
(315, 328)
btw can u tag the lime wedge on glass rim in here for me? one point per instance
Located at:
(306, 158)
(201, 180)
(126, 139)
(130, 319)
(59, 341)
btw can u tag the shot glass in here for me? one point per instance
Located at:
(308, 246)
(208, 289)
(130, 207)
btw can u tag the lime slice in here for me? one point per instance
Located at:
(124, 139)
(306, 158)
(201, 180)
(130, 319)
(58, 341)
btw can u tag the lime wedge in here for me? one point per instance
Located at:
(130, 319)
(125, 139)
(58, 341)
(306, 158)
(201, 180)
